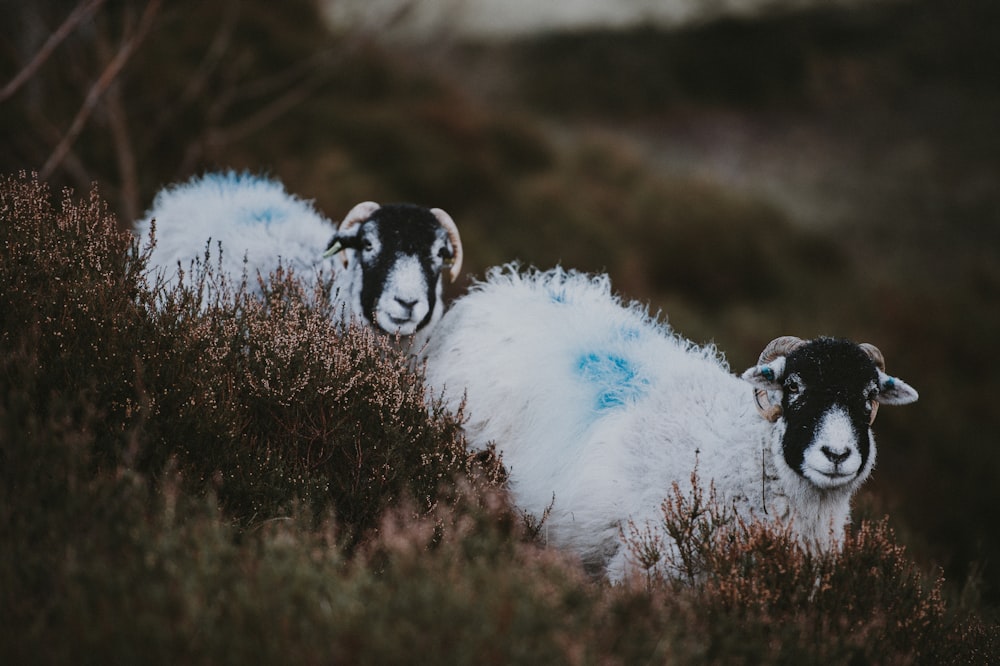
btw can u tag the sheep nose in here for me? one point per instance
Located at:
(836, 457)
(406, 303)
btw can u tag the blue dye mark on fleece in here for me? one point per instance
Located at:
(616, 379)
(630, 333)
(241, 183)
(263, 216)
(558, 296)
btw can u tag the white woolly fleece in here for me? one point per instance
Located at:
(250, 216)
(594, 402)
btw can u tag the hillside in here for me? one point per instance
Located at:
(810, 172)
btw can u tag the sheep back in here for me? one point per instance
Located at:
(595, 406)
(250, 216)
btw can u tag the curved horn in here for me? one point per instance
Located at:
(456, 241)
(782, 346)
(360, 213)
(875, 355)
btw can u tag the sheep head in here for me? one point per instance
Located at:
(827, 394)
(396, 256)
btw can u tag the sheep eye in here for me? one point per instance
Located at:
(445, 255)
(870, 400)
(792, 387)
(366, 245)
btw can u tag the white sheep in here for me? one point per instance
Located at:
(392, 256)
(593, 402)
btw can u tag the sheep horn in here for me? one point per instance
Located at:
(456, 241)
(782, 346)
(360, 213)
(875, 355)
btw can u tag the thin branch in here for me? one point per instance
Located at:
(76, 17)
(120, 138)
(72, 165)
(199, 80)
(100, 86)
(316, 70)
(270, 112)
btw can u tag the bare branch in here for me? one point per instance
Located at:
(283, 91)
(120, 138)
(72, 166)
(100, 86)
(270, 112)
(79, 14)
(199, 79)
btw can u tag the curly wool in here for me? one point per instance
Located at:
(597, 407)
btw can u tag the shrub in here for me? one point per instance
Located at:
(192, 475)
(262, 402)
(754, 590)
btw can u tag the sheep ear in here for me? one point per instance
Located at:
(339, 243)
(766, 375)
(333, 248)
(894, 391)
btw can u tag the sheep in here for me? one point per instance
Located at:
(392, 256)
(597, 408)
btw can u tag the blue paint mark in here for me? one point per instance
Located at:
(616, 379)
(558, 296)
(237, 184)
(264, 216)
(630, 333)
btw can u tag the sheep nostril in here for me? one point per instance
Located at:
(836, 457)
(408, 304)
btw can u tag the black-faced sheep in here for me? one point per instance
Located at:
(594, 402)
(392, 257)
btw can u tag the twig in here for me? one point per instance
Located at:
(120, 139)
(99, 88)
(198, 82)
(77, 16)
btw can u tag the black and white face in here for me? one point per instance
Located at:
(402, 251)
(828, 394)
(830, 390)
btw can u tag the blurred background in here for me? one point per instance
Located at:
(752, 168)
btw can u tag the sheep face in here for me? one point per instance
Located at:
(830, 391)
(400, 252)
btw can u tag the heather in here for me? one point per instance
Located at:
(221, 479)
(811, 169)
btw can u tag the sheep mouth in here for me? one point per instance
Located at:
(391, 325)
(829, 480)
